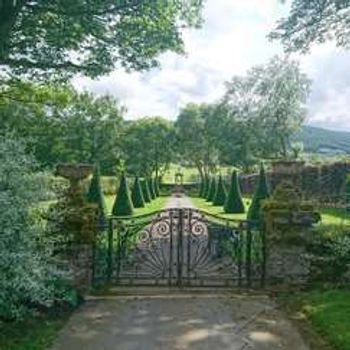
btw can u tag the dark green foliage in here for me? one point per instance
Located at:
(95, 195)
(204, 187)
(212, 190)
(123, 205)
(220, 194)
(145, 191)
(151, 188)
(234, 203)
(137, 194)
(207, 187)
(261, 193)
(201, 188)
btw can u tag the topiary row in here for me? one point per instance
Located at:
(213, 190)
(143, 192)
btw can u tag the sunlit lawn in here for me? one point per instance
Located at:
(332, 216)
(202, 204)
(328, 312)
(156, 204)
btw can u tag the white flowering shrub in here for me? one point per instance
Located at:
(27, 279)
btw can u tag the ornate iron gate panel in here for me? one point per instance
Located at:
(180, 247)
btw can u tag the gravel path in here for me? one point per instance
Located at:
(180, 322)
(179, 201)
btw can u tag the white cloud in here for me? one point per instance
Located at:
(233, 39)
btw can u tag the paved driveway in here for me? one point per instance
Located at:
(179, 322)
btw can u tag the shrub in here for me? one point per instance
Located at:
(145, 191)
(95, 195)
(137, 195)
(123, 205)
(220, 193)
(261, 193)
(212, 190)
(28, 279)
(151, 188)
(234, 202)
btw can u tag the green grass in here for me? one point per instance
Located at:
(202, 204)
(327, 311)
(332, 216)
(190, 174)
(36, 333)
(156, 204)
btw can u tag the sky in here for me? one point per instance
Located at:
(233, 38)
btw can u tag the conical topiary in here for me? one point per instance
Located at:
(220, 194)
(207, 187)
(95, 195)
(234, 202)
(151, 188)
(137, 194)
(212, 190)
(261, 193)
(155, 187)
(123, 204)
(145, 191)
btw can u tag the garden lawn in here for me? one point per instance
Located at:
(328, 312)
(208, 207)
(332, 216)
(36, 333)
(157, 204)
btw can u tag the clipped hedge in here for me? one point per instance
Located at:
(123, 205)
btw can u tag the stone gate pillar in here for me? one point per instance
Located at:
(76, 224)
(288, 221)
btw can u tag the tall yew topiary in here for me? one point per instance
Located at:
(155, 187)
(212, 190)
(137, 194)
(261, 193)
(151, 188)
(145, 191)
(95, 195)
(220, 193)
(123, 204)
(234, 202)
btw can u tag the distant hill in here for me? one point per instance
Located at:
(323, 141)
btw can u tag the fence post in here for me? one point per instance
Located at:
(110, 250)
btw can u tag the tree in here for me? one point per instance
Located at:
(212, 190)
(267, 107)
(48, 38)
(312, 22)
(68, 127)
(148, 146)
(29, 281)
(234, 202)
(137, 194)
(151, 188)
(145, 191)
(261, 193)
(220, 193)
(95, 195)
(123, 205)
(194, 138)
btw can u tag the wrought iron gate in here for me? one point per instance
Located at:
(180, 247)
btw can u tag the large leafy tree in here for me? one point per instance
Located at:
(195, 139)
(314, 21)
(66, 127)
(267, 106)
(148, 146)
(46, 38)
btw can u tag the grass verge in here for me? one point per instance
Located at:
(202, 204)
(327, 311)
(156, 204)
(35, 333)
